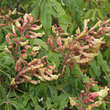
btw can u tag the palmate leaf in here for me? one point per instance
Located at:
(64, 102)
(14, 104)
(9, 104)
(103, 63)
(6, 59)
(46, 15)
(100, 13)
(61, 101)
(41, 43)
(8, 107)
(107, 53)
(76, 14)
(5, 63)
(54, 58)
(106, 7)
(26, 99)
(94, 69)
(61, 15)
(5, 73)
(36, 9)
(35, 102)
(76, 71)
(48, 103)
(105, 68)
(1, 36)
(2, 101)
(88, 14)
(49, 8)
(73, 7)
(53, 92)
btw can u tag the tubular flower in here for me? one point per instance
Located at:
(19, 47)
(36, 68)
(104, 92)
(93, 95)
(83, 46)
(89, 100)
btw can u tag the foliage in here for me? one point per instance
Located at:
(54, 55)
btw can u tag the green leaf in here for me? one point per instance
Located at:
(6, 59)
(91, 73)
(63, 18)
(94, 15)
(76, 70)
(103, 106)
(67, 71)
(8, 107)
(63, 98)
(43, 90)
(89, 14)
(61, 101)
(36, 105)
(2, 102)
(40, 43)
(107, 53)
(54, 58)
(53, 91)
(73, 7)
(48, 103)
(95, 68)
(2, 46)
(14, 104)
(26, 99)
(103, 63)
(5, 73)
(100, 14)
(20, 103)
(76, 9)
(86, 78)
(46, 16)
(36, 9)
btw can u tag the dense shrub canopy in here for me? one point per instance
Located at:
(54, 54)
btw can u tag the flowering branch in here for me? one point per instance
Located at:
(23, 30)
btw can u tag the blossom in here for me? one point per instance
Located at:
(93, 95)
(104, 92)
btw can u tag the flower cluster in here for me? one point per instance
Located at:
(89, 99)
(6, 16)
(81, 47)
(28, 66)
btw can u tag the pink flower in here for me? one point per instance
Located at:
(87, 100)
(93, 95)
